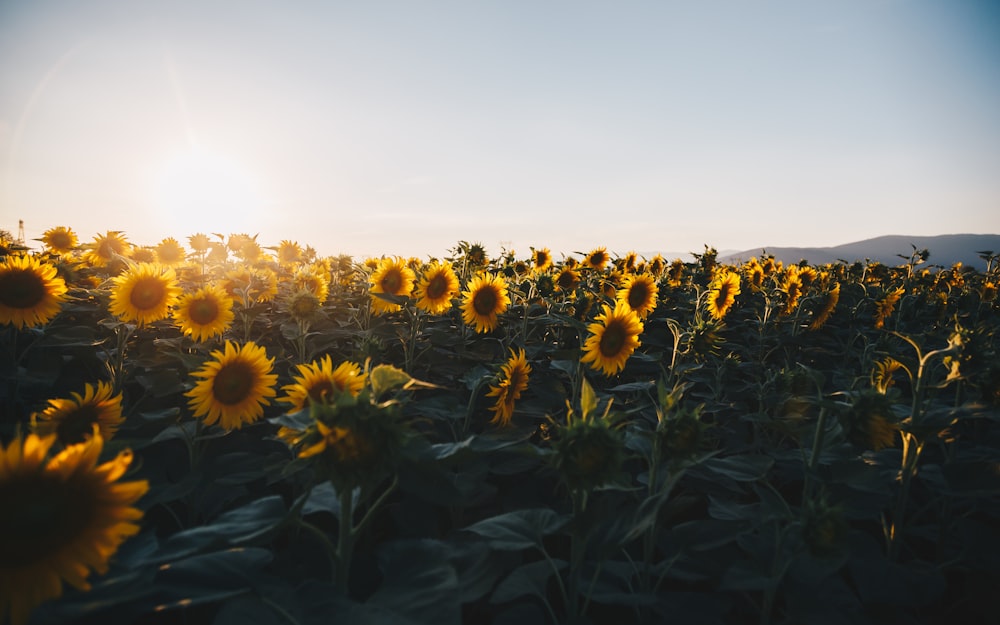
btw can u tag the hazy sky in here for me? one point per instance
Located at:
(403, 127)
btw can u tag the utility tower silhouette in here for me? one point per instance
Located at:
(20, 231)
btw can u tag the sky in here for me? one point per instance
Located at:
(403, 127)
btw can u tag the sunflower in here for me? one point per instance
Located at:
(251, 285)
(204, 313)
(391, 277)
(613, 337)
(144, 293)
(250, 251)
(310, 279)
(234, 387)
(289, 253)
(639, 292)
(657, 265)
(597, 259)
(303, 306)
(885, 306)
(170, 252)
(73, 420)
(567, 279)
(320, 382)
(105, 248)
(754, 273)
(675, 274)
(513, 380)
(59, 240)
(143, 254)
(437, 287)
(62, 519)
(722, 293)
(541, 258)
(824, 311)
(792, 286)
(30, 291)
(484, 299)
(199, 243)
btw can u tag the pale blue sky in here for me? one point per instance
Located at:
(403, 127)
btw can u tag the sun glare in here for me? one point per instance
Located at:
(207, 189)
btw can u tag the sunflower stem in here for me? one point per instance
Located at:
(345, 539)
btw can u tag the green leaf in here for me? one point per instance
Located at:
(527, 579)
(520, 529)
(418, 582)
(747, 468)
(385, 378)
(232, 528)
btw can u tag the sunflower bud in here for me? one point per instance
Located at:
(823, 527)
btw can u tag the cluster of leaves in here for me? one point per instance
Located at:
(786, 444)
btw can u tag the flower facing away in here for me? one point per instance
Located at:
(72, 420)
(827, 308)
(722, 293)
(484, 299)
(31, 293)
(60, 240)
(513, 381)
(170, 252)
(869, 421)
(792, 286)
(588, 453)
(885, 306)
(62, 518)
(320, 382)
(144, 293)
(106, 247)
(639, 292)
(437, 287)
(391, 277)
(234, 386)
(204, 313)
(613, 337)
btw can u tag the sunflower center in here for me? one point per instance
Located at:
(203, 311)
(437, 287)
(41, 515)
(78, 425)
(485, 301)
(322, 391)
(392, 282)
(566, 280)
(233, 383)
(638, 295)
(21, 289)
(60, 240)
(147, 293)
(613, 340)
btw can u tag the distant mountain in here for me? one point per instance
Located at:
(945, 250)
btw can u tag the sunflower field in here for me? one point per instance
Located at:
(228, 432)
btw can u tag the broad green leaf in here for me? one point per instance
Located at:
(527, 579)
(520, 529)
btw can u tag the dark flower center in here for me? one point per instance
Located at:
(638, 295)
(613, 339)
(78, 425)
(147, 293)
(437, 287)
(392, 282)
(41, 515)
(322, 391)
(484, 302)
(21, 289)
(203, 311)
(233, 383)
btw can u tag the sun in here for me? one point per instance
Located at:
(205, 190)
